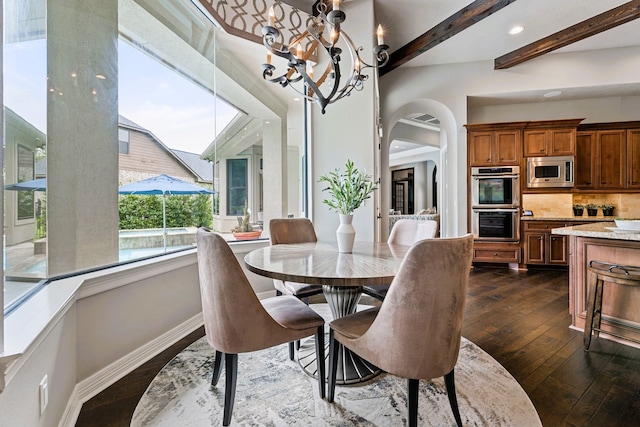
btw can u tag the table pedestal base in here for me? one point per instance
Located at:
(352, 369)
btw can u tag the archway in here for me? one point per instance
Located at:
(447, 181)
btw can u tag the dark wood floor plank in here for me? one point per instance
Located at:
(521, 318)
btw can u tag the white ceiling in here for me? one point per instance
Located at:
(404, 20)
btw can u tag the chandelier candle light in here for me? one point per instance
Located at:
(320, 42)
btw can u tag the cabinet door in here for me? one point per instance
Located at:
(611, 159)
(557, 249)
(633, 158)
(507, 144)
(534, 248)
(562, 142)
(535, 143)
(480, 148)
(585, 160)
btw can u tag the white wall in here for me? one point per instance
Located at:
(346, 131)
(447, 87)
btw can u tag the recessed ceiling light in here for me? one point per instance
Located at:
(552, 94)
(516, 29)
(100, 77)
(296, 99)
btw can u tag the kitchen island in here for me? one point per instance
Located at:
(602, 241)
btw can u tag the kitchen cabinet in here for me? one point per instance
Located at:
(493, 148)
(496, 252)
(601, 160)
(550, 138)
(543, 248)
(549, 142)
(633, 159)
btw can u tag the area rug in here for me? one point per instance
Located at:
(273, 391)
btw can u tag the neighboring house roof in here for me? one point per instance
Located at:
(201, 169)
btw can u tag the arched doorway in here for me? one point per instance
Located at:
(421, 135)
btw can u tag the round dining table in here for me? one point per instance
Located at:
(342, 276)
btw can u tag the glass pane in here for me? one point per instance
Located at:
(25, 98)
(237, 186)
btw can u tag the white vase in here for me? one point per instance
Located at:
(346, 234)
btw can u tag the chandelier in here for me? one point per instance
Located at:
(317, 48)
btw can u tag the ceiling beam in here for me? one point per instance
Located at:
(464, 18)
(599, 23)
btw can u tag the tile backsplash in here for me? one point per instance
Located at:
(560, 205)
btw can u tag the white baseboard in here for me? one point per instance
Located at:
(88, 388)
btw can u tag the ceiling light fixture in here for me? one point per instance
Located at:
(318, 47)
(516, 29)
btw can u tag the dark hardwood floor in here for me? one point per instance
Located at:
(521, 318)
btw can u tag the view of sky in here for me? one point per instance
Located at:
(178, 112)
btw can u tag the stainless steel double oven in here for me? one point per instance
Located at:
(495, 203)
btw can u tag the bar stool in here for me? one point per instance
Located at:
(613, 273)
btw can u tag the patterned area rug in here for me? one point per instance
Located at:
(273, 391)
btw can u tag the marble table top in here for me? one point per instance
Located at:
(603, 230)
(320, 263)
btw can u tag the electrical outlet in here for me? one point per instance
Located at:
(44, 393)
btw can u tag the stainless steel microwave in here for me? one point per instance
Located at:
(543, 172)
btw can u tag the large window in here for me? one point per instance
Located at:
(177, 114)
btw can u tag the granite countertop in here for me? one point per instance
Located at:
(602, 230)
(568, 218)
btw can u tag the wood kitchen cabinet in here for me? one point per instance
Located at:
(549, 142)
(550, 138)
(633, 159)
(543, 248)
(492, 148)
(496, 252)
(601, 160)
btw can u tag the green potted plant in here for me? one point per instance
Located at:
(592, 209)
(607, 209)
(348, 190)
(244, 230)
(578, 209)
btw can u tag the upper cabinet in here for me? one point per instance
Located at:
(496, 144)
(550, 138)
(633, 159)
(608, 156)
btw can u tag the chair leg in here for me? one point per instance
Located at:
(231, 371)
(450, 383)
(413, 402)
(320, 360)
(291, 351)
(217, 365)
(334, 346)
(591, 308)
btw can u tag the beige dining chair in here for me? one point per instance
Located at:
(236, 321)
(405, 232)
(290, 231)
(416, 331)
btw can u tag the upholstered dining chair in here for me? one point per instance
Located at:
(290, 231)
(416, 331)
(236, 321)
(405, 232)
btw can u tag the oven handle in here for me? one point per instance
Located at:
(512, 210)
(496, 176)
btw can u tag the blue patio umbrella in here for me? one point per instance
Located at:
(163, 184)
(39, 184)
